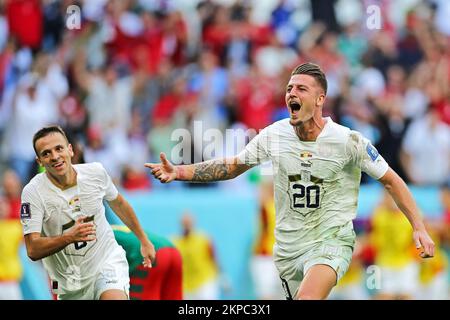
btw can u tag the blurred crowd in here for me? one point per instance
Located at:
(122, 76)
(132, 71)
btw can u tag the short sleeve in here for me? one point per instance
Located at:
(256, 151)
(364, 155)
(31, 211)
(111, 191)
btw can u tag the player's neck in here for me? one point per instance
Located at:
(310, 130)
(66, 181)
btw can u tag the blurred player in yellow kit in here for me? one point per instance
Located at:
(10, 265)
(395, 252)
(200, 270)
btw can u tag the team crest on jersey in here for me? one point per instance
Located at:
(25, 210)
(305, 154)
(372, 152)
(75, 205)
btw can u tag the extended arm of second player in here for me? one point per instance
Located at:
(211, 170)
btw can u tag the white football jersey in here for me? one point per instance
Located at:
(48, 210)
(316, 183)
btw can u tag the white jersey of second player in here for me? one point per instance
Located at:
(316, 183)
(48, 210)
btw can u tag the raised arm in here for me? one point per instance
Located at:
(82, 76)
(207, 171)
(404, 200)
(125, 212)
(39, 247)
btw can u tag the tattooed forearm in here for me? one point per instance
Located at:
(217, 170)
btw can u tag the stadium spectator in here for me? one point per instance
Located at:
(134, 177)
(324, 11)
(25, 21)
(109, 97)
(255, 95)
(210, 81)
(390, 119)
(12, 188)
(99, 150)
(426, 150)
(32, 108)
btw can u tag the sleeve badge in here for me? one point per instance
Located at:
(25, 210)
(372, 152)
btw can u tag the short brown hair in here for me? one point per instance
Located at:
(314, 71)
(45, 131)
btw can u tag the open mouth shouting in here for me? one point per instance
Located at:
(294, 108)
